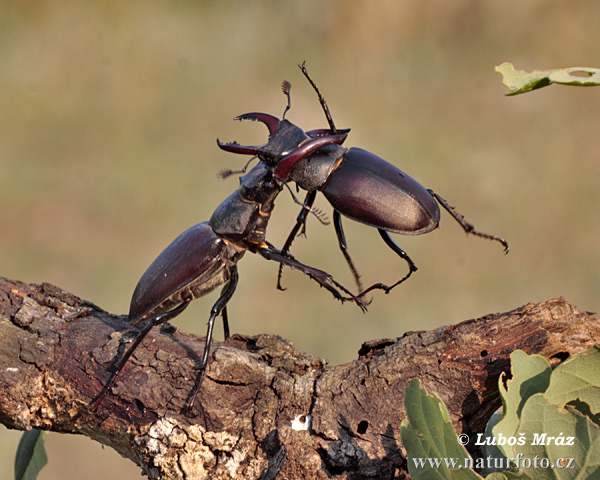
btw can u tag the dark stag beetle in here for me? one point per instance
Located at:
(357, 183)
(204, 257)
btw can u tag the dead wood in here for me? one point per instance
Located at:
(265, 408)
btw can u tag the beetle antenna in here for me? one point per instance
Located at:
(226, 172)
(286, 87)
(321, 216)
(321, 99)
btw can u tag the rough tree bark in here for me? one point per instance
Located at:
(264, 407)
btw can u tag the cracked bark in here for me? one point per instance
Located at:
(265, 409)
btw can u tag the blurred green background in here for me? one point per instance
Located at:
(109, 113)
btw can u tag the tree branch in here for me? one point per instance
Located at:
(264, 407)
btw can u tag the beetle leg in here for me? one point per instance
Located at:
(300, 223)
(315, 211)
(466, 226)
(116, 368)
(339, 231)
(225, 323)
(218, 308)
(322, 278)
(394, 246)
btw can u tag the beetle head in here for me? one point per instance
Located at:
(284, 137)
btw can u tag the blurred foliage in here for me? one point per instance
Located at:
(31, 456)
(109, 113)
(520, 81)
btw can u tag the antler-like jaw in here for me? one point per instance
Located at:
(270, 121)
(235, 147)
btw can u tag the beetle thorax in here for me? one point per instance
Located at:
(312, 172)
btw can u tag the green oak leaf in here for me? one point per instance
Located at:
(520, 81)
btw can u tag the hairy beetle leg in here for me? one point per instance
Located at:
(322, 278)
(466, 226)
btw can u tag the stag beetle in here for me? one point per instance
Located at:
(204, 257)
(357, 183)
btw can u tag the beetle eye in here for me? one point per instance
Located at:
(268, 158)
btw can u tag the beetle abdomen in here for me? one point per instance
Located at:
(194, 264)
(372, 191)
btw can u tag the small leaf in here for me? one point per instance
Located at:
(492, 451)
(519, 81)
(31, 455)
(427, 433)
(554, 436)
(578, 378)
(555, 418)
(530, 375)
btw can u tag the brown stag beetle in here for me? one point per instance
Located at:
(357, 183)
(204, 257)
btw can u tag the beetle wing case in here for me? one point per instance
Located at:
(195, 263)
(372, 191)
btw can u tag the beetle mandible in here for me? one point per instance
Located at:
(358, 184)
(204, 257)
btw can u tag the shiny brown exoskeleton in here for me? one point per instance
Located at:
(357, 183)
(204, 257)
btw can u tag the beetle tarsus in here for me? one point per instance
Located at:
(388, 288)
(322, 278)
(467, 227)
